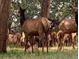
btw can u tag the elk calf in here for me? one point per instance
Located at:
(60, 36)
(53, 41)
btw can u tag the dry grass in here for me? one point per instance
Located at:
(40, 49)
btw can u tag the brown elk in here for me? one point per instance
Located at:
(53, 40)
(60, 36)
(67, 26)
(34, 27)
(11, 39)
(18, 36)
(67, 39)
(14, 38)
(74, 39)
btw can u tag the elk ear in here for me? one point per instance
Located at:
(49, 19)
(24, 9)
(20, 8)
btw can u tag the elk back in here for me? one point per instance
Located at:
(68, 25)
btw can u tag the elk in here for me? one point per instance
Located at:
(67, 26)
(14, 38)
(60, 35)
(53, 39)
(34, 27)
(67, 39)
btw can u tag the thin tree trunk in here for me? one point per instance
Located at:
(75, 10)
(45, 7)
(74, 6)
(4, 14)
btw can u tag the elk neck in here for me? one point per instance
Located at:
(22, 18)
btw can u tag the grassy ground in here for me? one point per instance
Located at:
(20, 54)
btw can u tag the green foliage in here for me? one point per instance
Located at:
(60, 9)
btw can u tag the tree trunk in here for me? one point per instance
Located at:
(45, 7)
(75, 10)
(74, 6)
(4, 14)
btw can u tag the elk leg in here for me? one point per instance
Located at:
(53, 42)
(41, 34)
(47, 41)
(47, 45)
(60, 45)
(26, 41)
(72, 39)
(32, 43)
(42, 39)
(73, 43)
(38, 42)
(42, 45)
